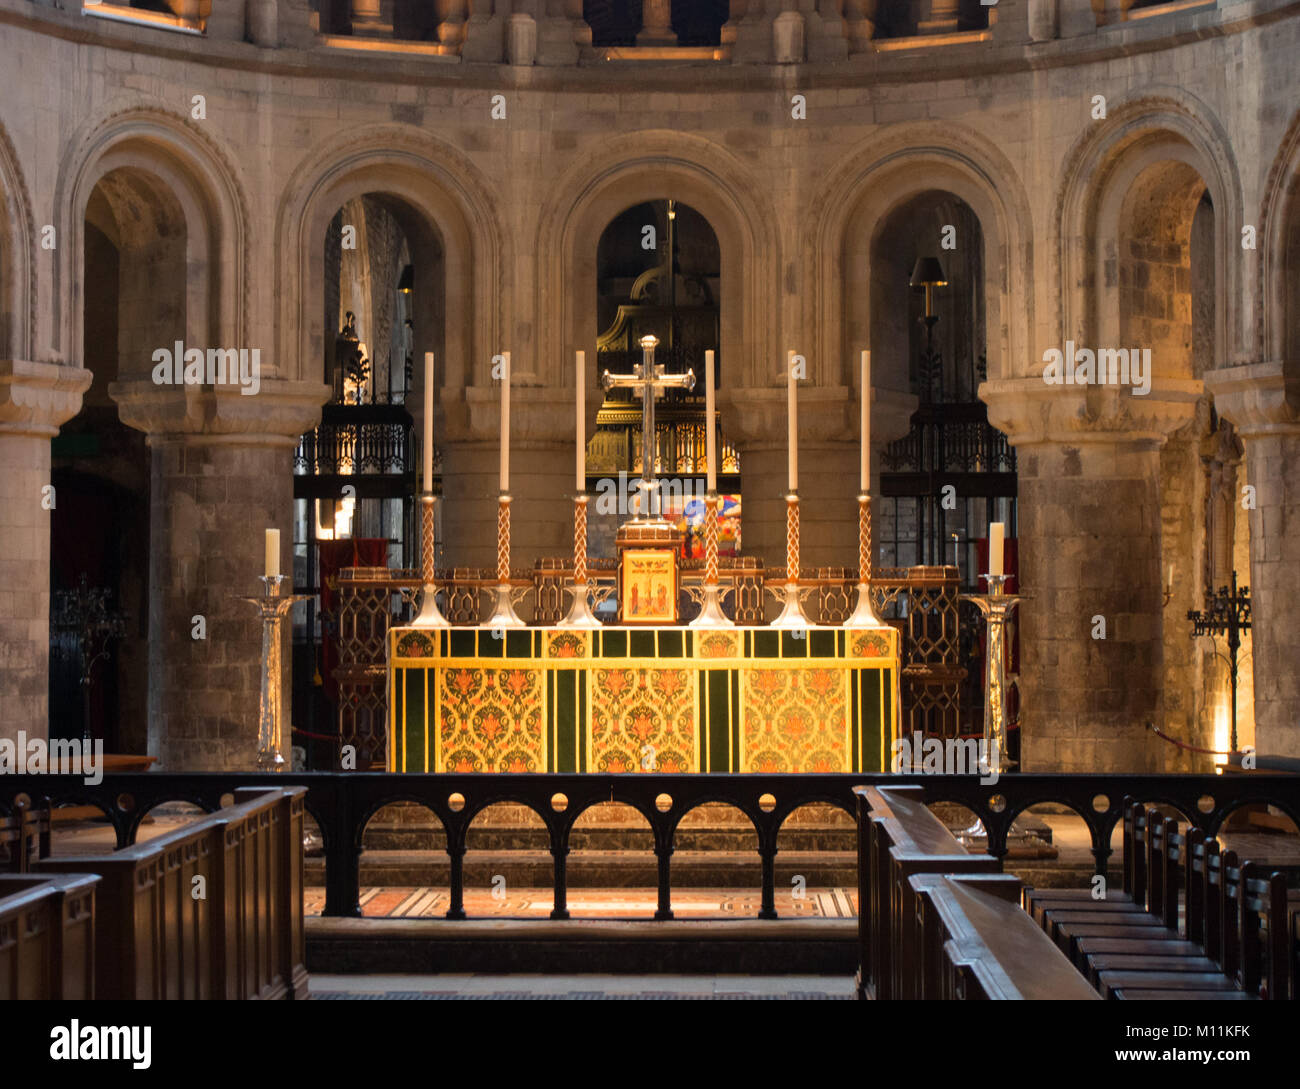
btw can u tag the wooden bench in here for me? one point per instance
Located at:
(47, 936)
(981, 944)
(1237, 919)
(157, 937)
(898, 836)
(24, 837)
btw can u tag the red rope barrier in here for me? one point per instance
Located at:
(1183, 744)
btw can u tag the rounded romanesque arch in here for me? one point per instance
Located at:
(647, 166)
(164, 153)
(1276, 332)
(856, 202)
(1161, 151)
(17, 286)
(446, 202)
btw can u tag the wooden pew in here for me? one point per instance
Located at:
(210, 910)
(1133, 862)
(988, 947)
(897, 837)
(24, 837)
(47, 936)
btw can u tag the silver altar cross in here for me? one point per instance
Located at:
(648, 380)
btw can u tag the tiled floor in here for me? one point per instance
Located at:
(424, 902)
(588, 987)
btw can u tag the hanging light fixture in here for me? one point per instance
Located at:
(406, 283)
(928, 274)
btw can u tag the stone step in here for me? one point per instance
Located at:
(599, 869)
(395, 837)
(731, 946)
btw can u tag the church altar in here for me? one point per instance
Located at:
(618, 699)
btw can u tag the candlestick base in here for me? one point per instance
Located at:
(792, 616)
(580, 614)
(430, 615)
(503, 613)
(711, 614)
(273, 606)
(864, 616)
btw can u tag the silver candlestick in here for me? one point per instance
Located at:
(996, 606)
(273, 605)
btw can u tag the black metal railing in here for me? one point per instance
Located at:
(342, 803)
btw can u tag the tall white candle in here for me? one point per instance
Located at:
(792, 437)
(428, 421)
(505, 424)
(580, 471)
(710, 437)
(865, 474)
(997, 532)
(272, 553)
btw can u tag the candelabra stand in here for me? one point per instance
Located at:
(711, 614)
(430, 616)
(273, 605)
(996, 606)
(864, 616)
(580, 614)
(792, 615)
(503, 614)
(1227, 613)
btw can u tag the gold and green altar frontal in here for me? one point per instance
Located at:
(646, 699)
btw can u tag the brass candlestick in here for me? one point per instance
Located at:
(273, 605)
(580, 614)
(792, 615)
(503, 613)
(711, 614)
(996, 606)
(430, 616)
(864, 616)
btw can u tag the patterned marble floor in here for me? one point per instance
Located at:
(425, 902)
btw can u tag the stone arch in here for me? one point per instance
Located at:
(1177, 135)
(855, 203)
(646, 166)
(199, 177)
(1277, 329)
(448, 205)
(17, 285)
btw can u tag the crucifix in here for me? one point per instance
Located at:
(648, 380)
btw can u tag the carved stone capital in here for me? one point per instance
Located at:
(1029, 411)
(756, 415)
(36, 398)
(277, 415)
(1256, 399)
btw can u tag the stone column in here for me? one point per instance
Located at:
(755, 419)
(656, 23)
(1089, 548)
(221, 475)
(35, 398)
(1265, 409)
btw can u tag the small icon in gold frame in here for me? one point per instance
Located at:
(648, 586)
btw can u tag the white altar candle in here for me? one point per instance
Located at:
(428, 421)
(997, 532)
(580, 472)
(272, 553)
(505, 424)
(865, 474)
(792, 438)
(710, 439)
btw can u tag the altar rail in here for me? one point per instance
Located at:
(342, 803)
